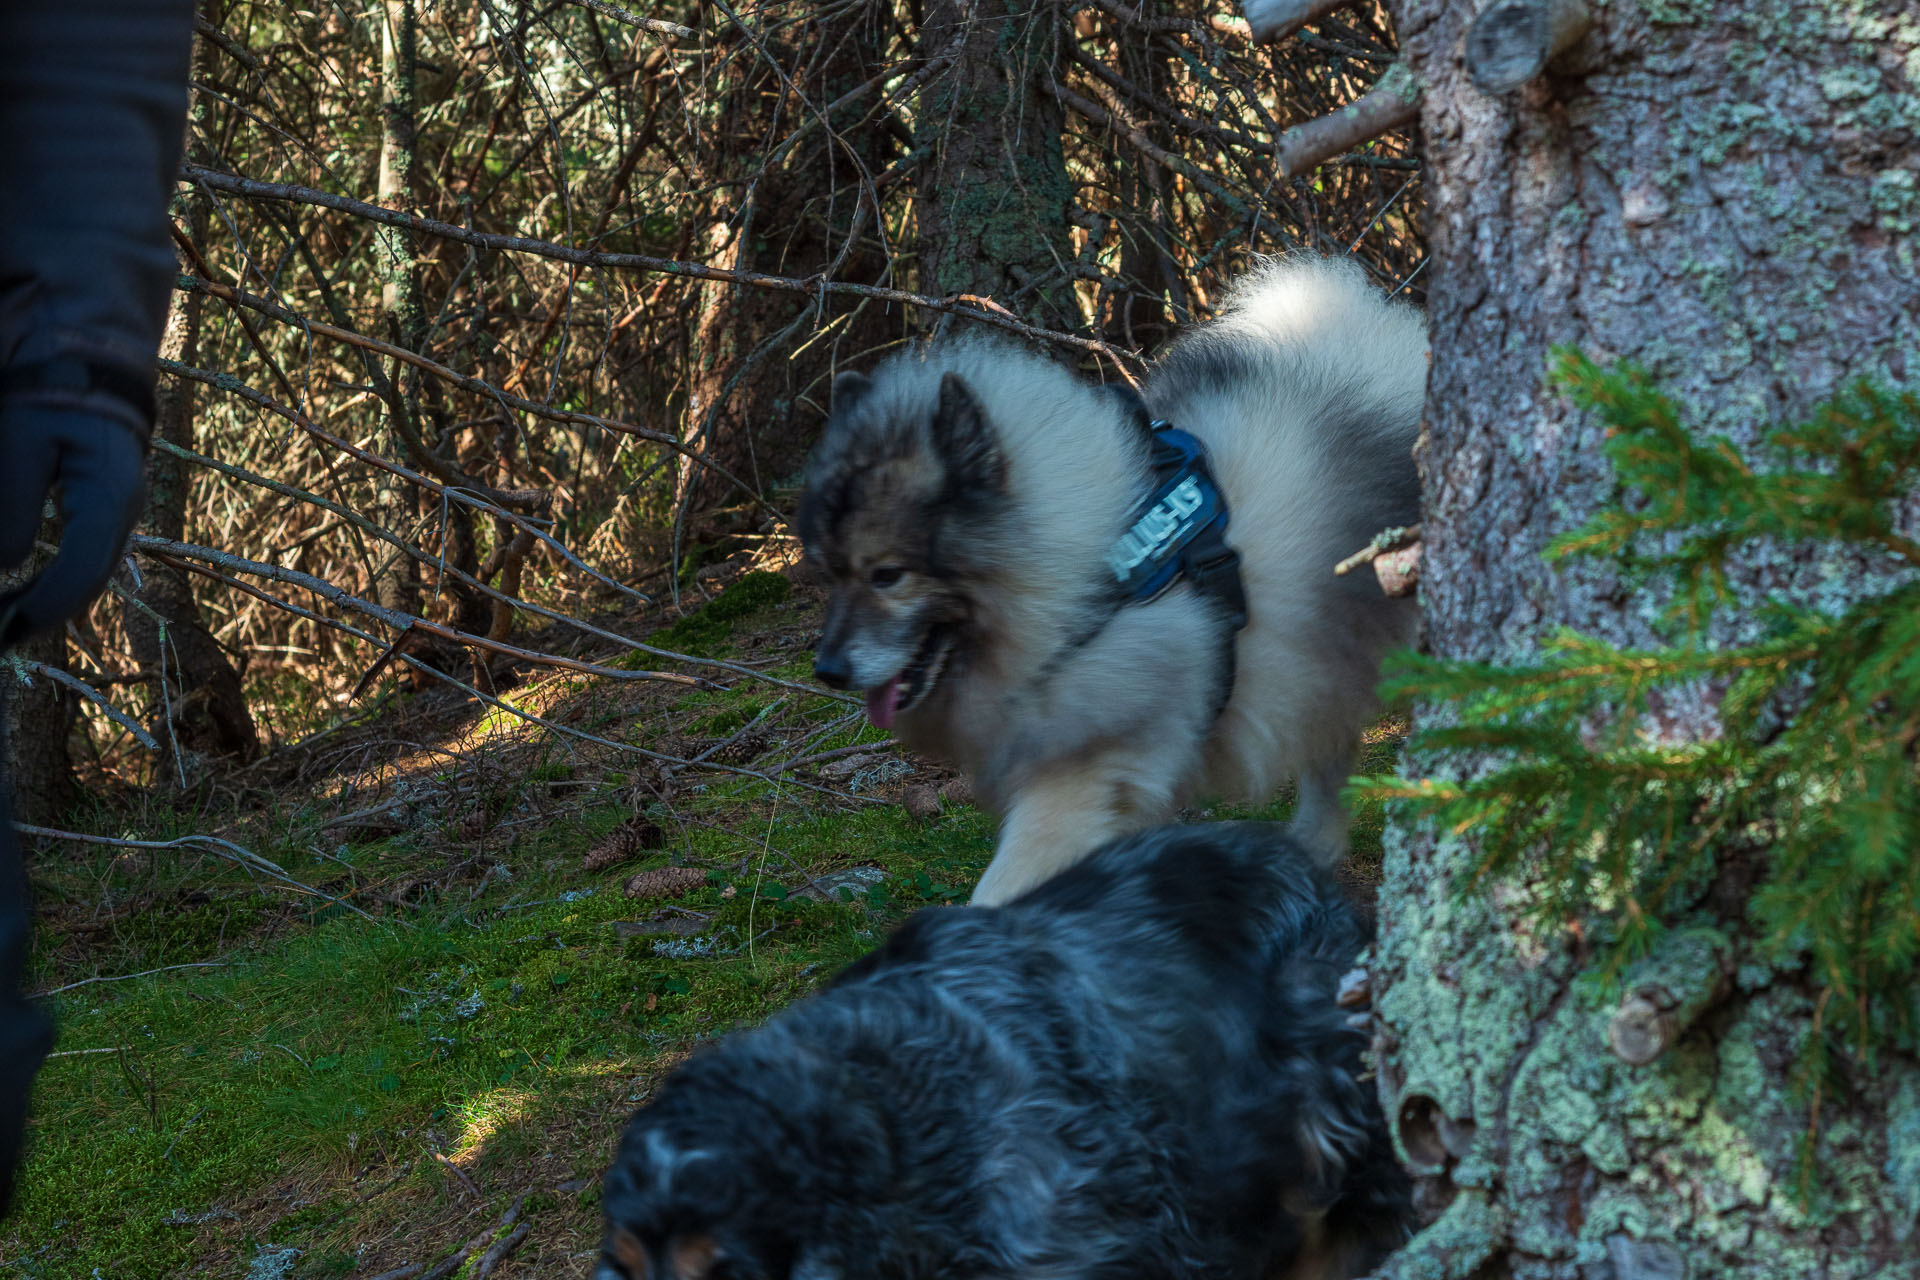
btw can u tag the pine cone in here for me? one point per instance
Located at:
(625, 842)
(666, 882)
(747, 748)
(475, 825)
(920, 802)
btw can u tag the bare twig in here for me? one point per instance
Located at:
(173, 552)
(207, 844)
(1278, 19)
(1386, 540)
(458, 1173)
(957, 305)
(128, 977)
(227, 44)
(654, 25)
(821, 757)
(97, 698)
(79, 1053)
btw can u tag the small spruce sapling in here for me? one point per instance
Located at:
(1805, 792)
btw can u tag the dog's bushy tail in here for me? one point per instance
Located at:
(1325, 305)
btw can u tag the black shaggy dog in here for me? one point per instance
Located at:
(1137, 1071)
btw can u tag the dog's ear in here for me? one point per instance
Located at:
(622, 1257)
(849, 389)
(965, 440)
(692, 1257)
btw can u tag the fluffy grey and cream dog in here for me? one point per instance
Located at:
(963, 504)
(1135, 1072)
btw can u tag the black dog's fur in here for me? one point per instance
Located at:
(1137, 1070)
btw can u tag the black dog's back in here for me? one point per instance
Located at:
(1138, 1067)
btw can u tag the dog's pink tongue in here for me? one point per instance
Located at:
(883, 702)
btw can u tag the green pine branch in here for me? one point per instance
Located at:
(1811, 776)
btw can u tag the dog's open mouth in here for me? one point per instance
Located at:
(914, 681)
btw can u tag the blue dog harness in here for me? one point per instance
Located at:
(1180, 530)
(1177, 531)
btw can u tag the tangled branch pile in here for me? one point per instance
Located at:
(509, 309)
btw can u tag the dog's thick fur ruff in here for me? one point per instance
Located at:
(963, 498)
(1136, 1071)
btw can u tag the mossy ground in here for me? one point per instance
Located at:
(336, 1095)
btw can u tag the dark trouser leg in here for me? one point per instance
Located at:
(25, 1032)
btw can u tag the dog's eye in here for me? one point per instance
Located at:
(887, 575)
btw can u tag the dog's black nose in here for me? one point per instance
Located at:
(831, 670)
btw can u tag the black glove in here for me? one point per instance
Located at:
(98, 464)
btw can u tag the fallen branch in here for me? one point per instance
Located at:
(491, 1258)
(453, 1261)
(820, 757)
(98, 699)
(128, 977)
(78, 1053)
(1392, 103)
(207, 844)
(1277, 19)
(170, 552)
(459, 1173)
(500, 704)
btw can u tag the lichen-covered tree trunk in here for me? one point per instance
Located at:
(1725, 195)
(994, 200)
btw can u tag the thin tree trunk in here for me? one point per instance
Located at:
(396, 585)
(38, 714)
(202, 711)
(1715, 193)
(994, 201)
(756, 387)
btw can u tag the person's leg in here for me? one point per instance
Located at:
(93, 99)
(25, 1032)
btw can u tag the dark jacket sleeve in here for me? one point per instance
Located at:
(93, 97)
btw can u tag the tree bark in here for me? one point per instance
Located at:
(995, 202)
(757, 388)
(396, 584)
(1724, 195)
(38, 714)
(202, 710)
